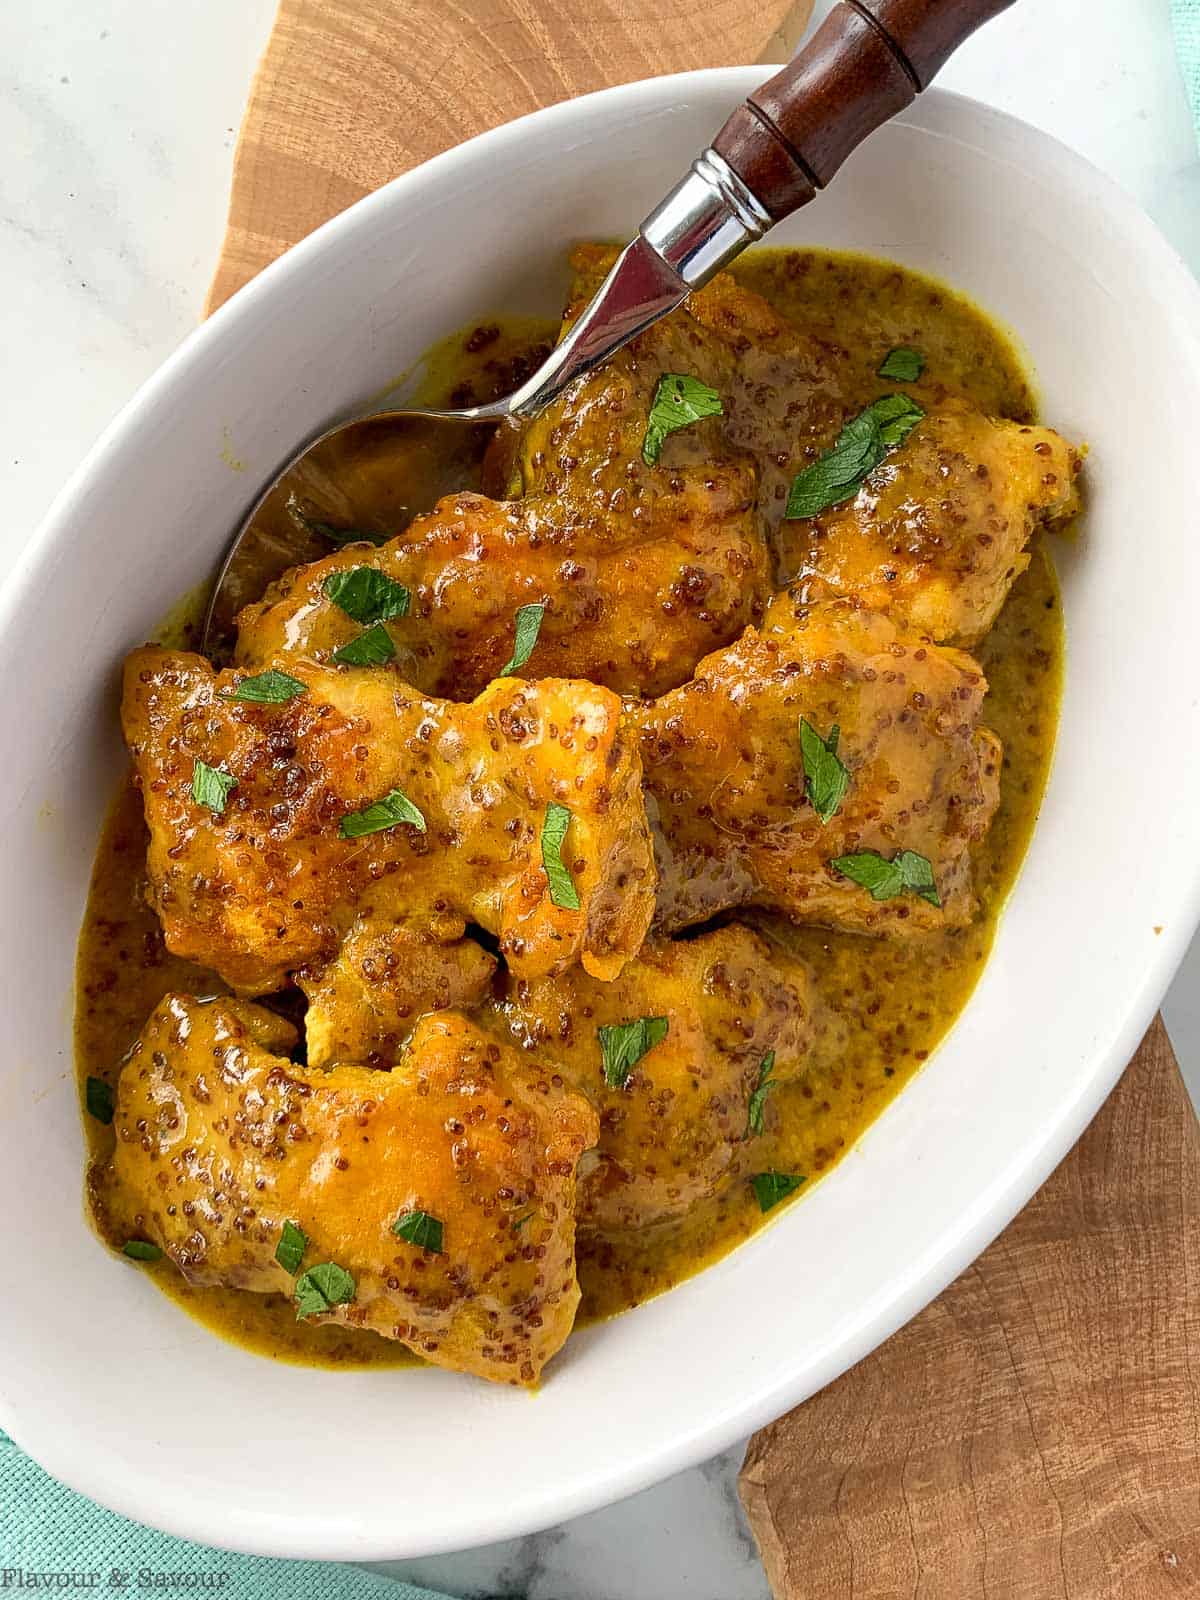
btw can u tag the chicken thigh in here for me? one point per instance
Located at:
(732, 796)
(635, 590)
(679, 1122)
(937, 534)
(399, 1195)
(270, 823)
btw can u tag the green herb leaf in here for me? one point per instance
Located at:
(863, 443)
(897, 416)
(563, 892)
(772, 1187)
(678, 402)
(321, 1288)
(98, 1097)
(268, 688)
(758, 1100)
(421, 1229)
(343, 536)
(519, 1224)
(141, 1250)
(623, 1044)
(917, 872)
(293, 1242)
(885, 879)
(390, 812)
(211, 786)
(825, 778)
(528, 626)
(367, 595)
(902, 365)
(371, 649)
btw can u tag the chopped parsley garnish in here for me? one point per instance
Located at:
(906, 872)
(528, 626)
(678, 402)
(270, 688)
(758, 1100)
(341, 536)
(367, 595)
(902, 365)
(825, 778)
(211, 786)
(772, 1187)
(371, 649)
(321, 1288)
(390, 812)
(563, 892)
(141, 1250)
(98, 1097)
(293, 1242)
(863, 443)
(421, 1229)
(623, 1044)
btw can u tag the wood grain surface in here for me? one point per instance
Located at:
(350, 93)
(1036, 1432)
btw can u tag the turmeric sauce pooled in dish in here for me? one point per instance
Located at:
(546, 894)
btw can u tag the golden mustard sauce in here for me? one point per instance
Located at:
(897, 999)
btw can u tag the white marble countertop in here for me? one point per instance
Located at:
(117, 121)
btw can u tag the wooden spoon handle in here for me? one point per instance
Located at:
(867, 61)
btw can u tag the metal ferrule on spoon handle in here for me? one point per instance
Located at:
(866, 62)
(706, 221)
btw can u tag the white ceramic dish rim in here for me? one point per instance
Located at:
(960, 1240)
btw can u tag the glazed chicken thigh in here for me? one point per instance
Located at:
(938, 533)
(729, 790)
(675, 1123)
(221, 1141)
(642, 568)
(359, 789)
(679, 1123)
(634, 594)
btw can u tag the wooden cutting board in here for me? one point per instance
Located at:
(351, 93)
(1035, 1433)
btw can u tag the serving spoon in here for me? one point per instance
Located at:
(867, 62)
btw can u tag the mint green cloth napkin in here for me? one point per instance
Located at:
(1186, 16)
(53, 1540)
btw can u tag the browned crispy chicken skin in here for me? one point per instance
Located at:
(634, 593)
(937, 534)
(678, 1130)
(726, 777)
(220, 1140)
(270, 885)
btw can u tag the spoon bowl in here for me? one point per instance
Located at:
(361, 481)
